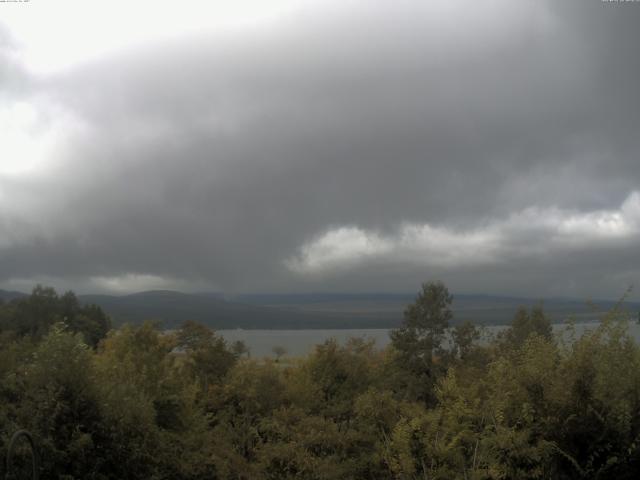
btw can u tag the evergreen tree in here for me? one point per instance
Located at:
(419, 340)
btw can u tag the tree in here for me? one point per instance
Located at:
(430, 314)
(208, 358)
(335, 375)
(279, 351)
(33, 316)
(60, 404)
(526, 323)
(463, 336)
(420, 337)
(89, 320)
(239, 348)
(146, 402)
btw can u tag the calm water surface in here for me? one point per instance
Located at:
(302, 342)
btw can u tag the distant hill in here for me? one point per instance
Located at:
(8, 295)
(300, 311)
(172, 308)
(318, 311)
(481, 309)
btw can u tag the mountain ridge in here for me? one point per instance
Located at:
(318, 310)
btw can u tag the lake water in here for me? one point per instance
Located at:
(302, 342)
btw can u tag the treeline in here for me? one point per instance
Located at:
(138, 403)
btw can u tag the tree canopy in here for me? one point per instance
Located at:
(438, 403)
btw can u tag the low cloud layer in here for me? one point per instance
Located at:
(528, 234)
(342, 146)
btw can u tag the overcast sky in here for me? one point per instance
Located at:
(307, 146)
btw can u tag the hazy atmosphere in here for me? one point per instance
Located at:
(320, 239)
(307, 146)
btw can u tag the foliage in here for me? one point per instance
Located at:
(33, 316)
(463, 337)
(185, 405)
(420, 339)
(526, 323)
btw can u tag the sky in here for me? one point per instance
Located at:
(321, 146)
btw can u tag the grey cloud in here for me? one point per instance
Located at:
(11, 76)
(217, 158)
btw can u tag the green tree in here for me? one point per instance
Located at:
(463, 336)
(33, 316)
(239, 348)
(526, 323)
(420, 339)
(279, 351)
(151, 418)
(338, 374)
(59, 404)
(207, 357)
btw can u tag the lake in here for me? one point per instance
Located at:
(302, 342)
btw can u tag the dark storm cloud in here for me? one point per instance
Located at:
(228, 161)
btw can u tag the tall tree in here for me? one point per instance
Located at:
(33, 316)
(421, 336)
(463, 336)
(208, 358)
(526, 323)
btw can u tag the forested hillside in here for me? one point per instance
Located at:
(134, 402)
(319, 311)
